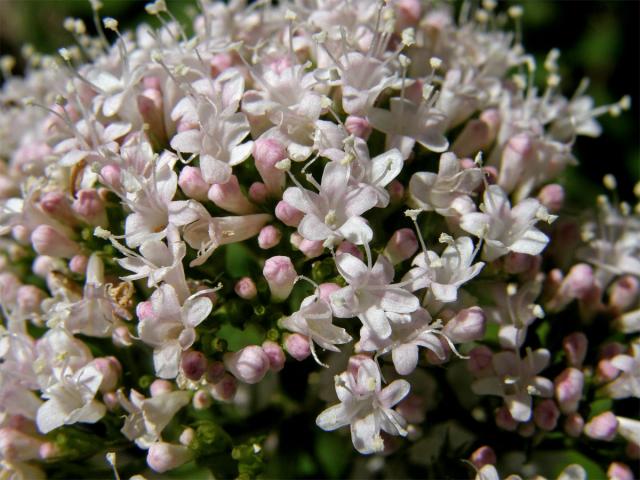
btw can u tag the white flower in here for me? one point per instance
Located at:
(365, 406)
(334, 212)
(444, 274)
(371, 296)
(505, 229)
(376, 172)
(71, 400)
(516, 379)
(171, 328)
(313, 320)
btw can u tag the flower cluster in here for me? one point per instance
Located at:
(190, 210)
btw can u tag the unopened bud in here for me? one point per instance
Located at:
(246, 288)
(480, 361)
(258, 192)
(78, 264)
(483, 456)
(297, 346)
(194, 364)
(552, 197)
(546, 414)
(201, 401)
(225, 389)
(623, 293)
(269, 237)
(90, 207)
(505, 421)
(311, 248)
(228, 196)
(288, 214)
(350, 248)
(192, 183)
(358, 126)
(575, 348)
(619, 471)
(160, 387)
(280, 275)
(515, 157)
(29, 298)
(568, 389)
(267, 153)
(402, 246)
(111, 370)
(16, 446)
(275, 354)
(602, 427)
(467, 326)
(573, 425)
(162, 456)
(49, 241)
(326, 289)
(248, 365)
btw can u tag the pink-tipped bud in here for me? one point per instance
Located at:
(297, 346)
(326, 289)
(573, 425)
(269, 237)
(475, 136)
(575, 348)
(358, 126)
(220, 62)
(121, 336)
(150, 106)
(546, 415)
(29, 298)
(57, 205)
(401, 246)
(483, 456)
(162, 456)
(602, 427)
(43, 265)
(515, 157)
(16, 446)
(623, 293)
(144, 310)
(568, 388)
(194, 364)
(49, 241)
(249, 365)
(159, 387)
(396, 192)
(480, 361)
(606, 370)
(275, 354)
(288, 214)
(111, 401)
(409, 13)
(412, 408)
(78, 264)
(90, 207)
(515, 263)
(311, 248)
(578, 282)
(296, 239)
(619, 471)
(258, 192)
(505, 421)
(350, 248)
(280, 275)
(201, 400)
(48, 451)
(215, 372)
(111, 370)
(267, 153)
(192, 183)
(9, 286)
(228, 196)
(246, 288)
(467, 326)
(225, 389)
(552, 197)
(188, 435)
(110, 176)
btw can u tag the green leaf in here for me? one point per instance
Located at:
(239, 261)
(333, 452)
(551, 463)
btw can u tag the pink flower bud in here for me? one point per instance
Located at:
(49, 241)
(29, 298)
(546, 414)
(467, 326)
(201, 401)
(58, 205)
(144, 310)
(275, 354)
(483, 456)
(358, 126)
(326, 289)
(280, 275)
(475, 136)
(552, 197)
(298, 346)
(606, 371)
(215, 372)
(350, 248)
(220, 62)
(90, 207)
(296, 239)
(188, 435)
(311, 248)
(20, 234)
(619, 471)
(121, 336)
(267, 152)
(110, 176)
(159, 387)
(111, 401)
(623, 293)
(228, 196)
(408, 13)
(288, 214)
(516, 155)
(225, 389)
(162, 456)
(246, 288)
(16, 446)
(192, 183)
(396, 192)
(568, 388)
(258, 192)
(194, 364)
(48, 451)
(412, 408)
(269, 237)
(573, 425)
(150, 106)
(9, 286)
(575, 348)
(248, 365)
(44, 264)
(111, 370)
(602, 427)
(505, 421)
(402, 246)
(480, 361)
(515, 263)
(578, 282)
(78, 264)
